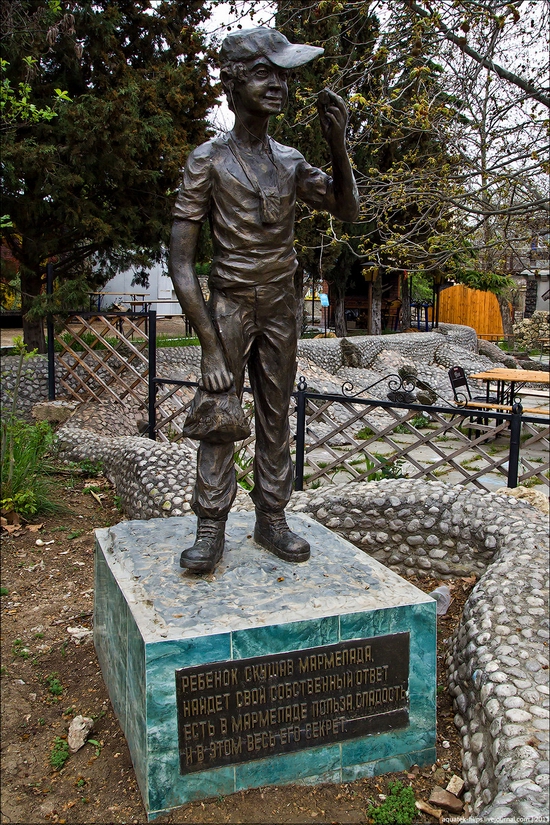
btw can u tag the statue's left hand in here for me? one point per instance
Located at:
(333, 115)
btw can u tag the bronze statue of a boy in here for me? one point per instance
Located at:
(246, 185)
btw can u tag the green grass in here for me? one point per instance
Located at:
(419, 420)
(93, 468)
(245, 462)
(471, 463)
(55, 687)
(402, 429)
(494, 449)
(166, 341)
(357, 461)
(364, 432)
(27, 487)
(18, 649)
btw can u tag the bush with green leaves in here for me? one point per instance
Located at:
(24, 457)
(397, 809)
(27, 487)
(59, 753)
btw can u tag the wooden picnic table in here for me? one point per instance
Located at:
(507, 379)
(135, 296)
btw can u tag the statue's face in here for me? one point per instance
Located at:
(264, 91)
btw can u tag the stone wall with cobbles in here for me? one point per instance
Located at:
(498, 658)
(448, 345)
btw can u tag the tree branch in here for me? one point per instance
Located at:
(523, 84)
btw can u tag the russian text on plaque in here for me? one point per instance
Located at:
(239, 710)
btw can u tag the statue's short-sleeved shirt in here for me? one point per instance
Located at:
(247, 251)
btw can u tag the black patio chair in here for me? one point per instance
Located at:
(462, 394)
(459, 381)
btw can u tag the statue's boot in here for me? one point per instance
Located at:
(273, 533)
(204, 555)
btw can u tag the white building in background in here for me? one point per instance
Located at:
(159, 295)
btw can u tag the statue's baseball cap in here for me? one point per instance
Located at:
(264, 42)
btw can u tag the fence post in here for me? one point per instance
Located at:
(50, 333)
(515, 436)
(300, 433)
(152, 372)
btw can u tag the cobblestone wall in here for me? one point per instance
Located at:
(33, 387)
(434, 352)
(498, 658)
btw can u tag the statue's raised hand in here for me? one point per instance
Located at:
(333, 114)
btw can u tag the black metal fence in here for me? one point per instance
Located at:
(383, 435)
(342, 436)
(335, 436)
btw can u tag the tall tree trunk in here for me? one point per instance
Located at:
(506, 315)
(405, 303)
(339, 315)
(377, 306)
(33, 330)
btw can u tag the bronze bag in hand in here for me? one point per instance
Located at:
(216, 417)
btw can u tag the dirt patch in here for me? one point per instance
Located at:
(47, 679)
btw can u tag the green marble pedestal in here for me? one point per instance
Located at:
(152, 619)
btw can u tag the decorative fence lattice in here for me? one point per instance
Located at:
(340, 438)
(102, 356)
(406, 442)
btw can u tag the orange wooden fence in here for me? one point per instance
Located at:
(460, 305)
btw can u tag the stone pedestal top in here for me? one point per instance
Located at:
(250, 587)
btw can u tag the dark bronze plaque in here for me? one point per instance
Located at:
(235, 711)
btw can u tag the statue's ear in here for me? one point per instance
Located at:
(227, 80)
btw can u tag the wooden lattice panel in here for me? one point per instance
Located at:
(98, 360)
